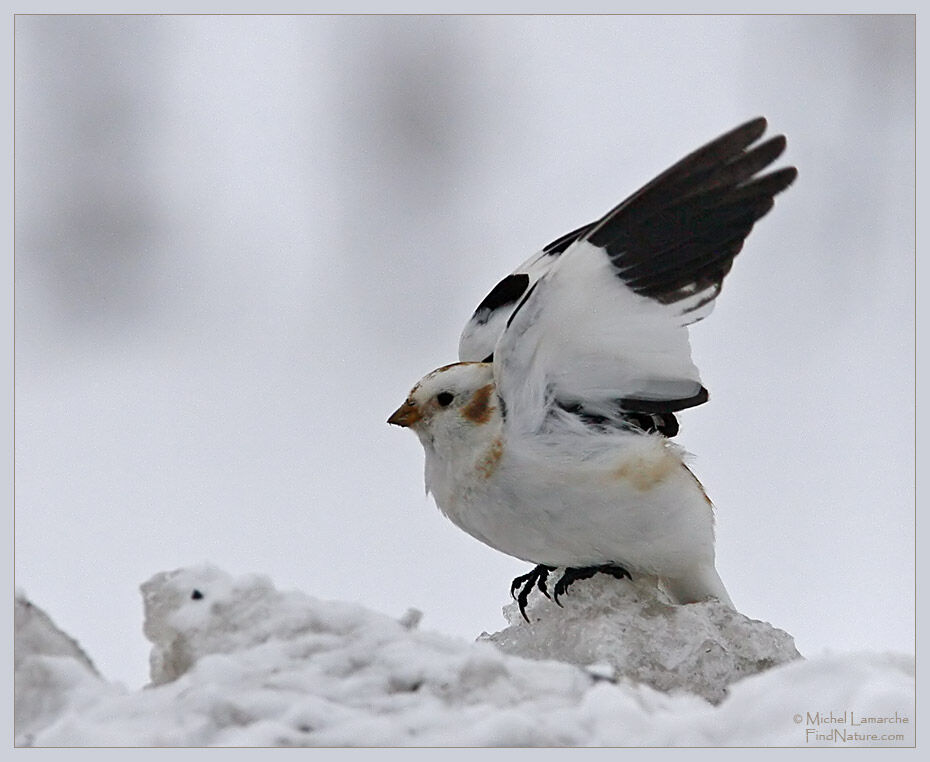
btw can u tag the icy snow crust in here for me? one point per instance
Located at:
(236, 662)
(633, 631)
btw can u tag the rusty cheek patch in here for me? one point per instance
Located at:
(478, 409)
(487, 465)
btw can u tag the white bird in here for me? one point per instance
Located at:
(549, 440)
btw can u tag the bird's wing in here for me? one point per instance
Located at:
(606, 323)
(482, 331)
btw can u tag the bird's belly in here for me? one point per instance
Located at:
(639, 507)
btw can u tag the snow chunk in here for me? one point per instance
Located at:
(620, 629)
(35, 634)
(51, 672)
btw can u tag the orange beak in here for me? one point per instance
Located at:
(406, 415)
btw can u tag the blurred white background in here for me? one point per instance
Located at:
(240, 240)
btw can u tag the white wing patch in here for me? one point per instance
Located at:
(583, 336)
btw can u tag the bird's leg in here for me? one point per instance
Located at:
(586, 572)
(525, 583)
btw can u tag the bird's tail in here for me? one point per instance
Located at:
(699, 585)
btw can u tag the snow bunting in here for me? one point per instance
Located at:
(549, 440)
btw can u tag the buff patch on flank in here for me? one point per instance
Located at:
(646, 472)
(478, 409)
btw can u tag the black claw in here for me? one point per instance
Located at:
(586, 572)
(541, 584)
(615, 571)
(522, 600)
(521, 582)
(539, 575)
(526, 583)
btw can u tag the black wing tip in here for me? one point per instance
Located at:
(772, 149)
(786, 176)
(780, 140)
(730, 143)
(771, 184)
(740, 139)
(636, 405)
(684, 227)
(754, 127)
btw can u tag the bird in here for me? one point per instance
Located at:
(550, 439)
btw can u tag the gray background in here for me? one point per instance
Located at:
(240, 240)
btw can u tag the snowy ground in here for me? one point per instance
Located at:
(236, 662)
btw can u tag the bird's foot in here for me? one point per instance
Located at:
(536, 578)
(572, 574)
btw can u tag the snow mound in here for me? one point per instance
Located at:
(50, 671)
(37, 635)
(237, 663)
(627, 630)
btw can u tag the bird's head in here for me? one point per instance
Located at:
(450, 403)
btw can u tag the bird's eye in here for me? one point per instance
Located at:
(445, 398)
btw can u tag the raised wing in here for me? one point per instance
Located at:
(604, 329)
(481, 333)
